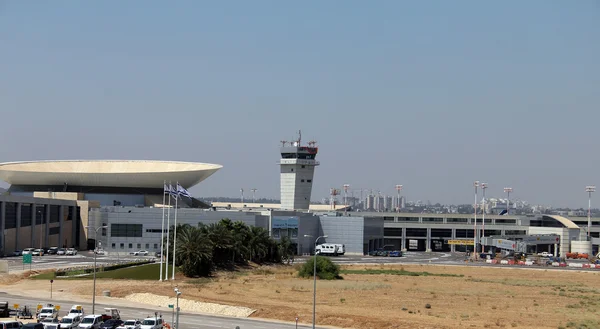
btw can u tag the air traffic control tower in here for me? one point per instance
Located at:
(297, 166)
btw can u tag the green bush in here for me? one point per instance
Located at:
(326, 269)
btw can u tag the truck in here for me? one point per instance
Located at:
(334, 249)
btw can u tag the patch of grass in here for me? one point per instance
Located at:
(44, 276)
(399, 272)
(142, 272)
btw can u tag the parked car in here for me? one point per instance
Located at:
(33, 326)
(50, 322)
(141, 253)
(90, 322)
(61, 251)
(152, 323)
(111, 324)
(48, 311)
(52, 251)
(70, 322)
(38, 252)
(27, 251)
(10, 325)
(131, 324)
(17, 253)
(71, 252)
(76, 310)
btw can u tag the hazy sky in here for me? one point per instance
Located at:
(428, 94)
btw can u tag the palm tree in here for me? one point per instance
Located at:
(286, 249)
(222, 240)
(194, 252)
(240, 233)
(258, 243)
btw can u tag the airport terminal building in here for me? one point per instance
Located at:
(64, 204)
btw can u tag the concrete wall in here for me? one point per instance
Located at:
(344, 230)
(151, 219)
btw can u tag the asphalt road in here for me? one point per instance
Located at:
(186, 320)
(84, 258)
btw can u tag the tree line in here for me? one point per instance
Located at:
(202, 249)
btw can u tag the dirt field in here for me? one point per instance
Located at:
(481, 298)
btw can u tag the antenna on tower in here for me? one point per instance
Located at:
(312, 143)
(283, 143)
(299, 137)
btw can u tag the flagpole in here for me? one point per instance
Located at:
(162, 232)
(175, 232)
(168, 233)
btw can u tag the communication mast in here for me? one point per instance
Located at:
(333, 193)
(346, 187)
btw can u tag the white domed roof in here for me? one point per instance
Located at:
(107, 173)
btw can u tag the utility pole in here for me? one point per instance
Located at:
(254, 195)
(475, 185)
(590, 189)
(507, 190)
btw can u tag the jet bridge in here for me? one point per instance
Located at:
(519, 243)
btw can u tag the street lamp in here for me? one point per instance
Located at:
(475, 185)
(483, 187)
(507, 190)
(590, 189)
(177, 293)
(315, 279)
(95, 253)
(398, 201)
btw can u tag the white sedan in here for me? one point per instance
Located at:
(71, 251)
(130, 324)
(141, 253)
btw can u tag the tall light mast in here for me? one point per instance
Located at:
(475, 185)
(483, 188)
(590, 189)
(346, 187)
(398, 201)
(507, 190)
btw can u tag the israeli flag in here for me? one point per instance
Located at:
(183, 192)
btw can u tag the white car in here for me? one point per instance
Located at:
(131, 324)
(47, 312)
(152, 323)
(90, 322)
(61, 251)
(71, 251)
(70, 322)
(38, 252)
(27, 251)
(50, 322)
(141, 253)
(76, 310)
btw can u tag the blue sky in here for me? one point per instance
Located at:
(431, 95)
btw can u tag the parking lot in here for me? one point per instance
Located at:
(83, 258)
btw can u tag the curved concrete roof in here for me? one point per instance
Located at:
(563, 220)
(107, 173)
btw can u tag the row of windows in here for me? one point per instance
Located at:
(130, 246)
(155, 230)
(308, 180)
(126, 230)
(451, 220)
(435, 232)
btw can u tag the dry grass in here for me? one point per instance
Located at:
(482, 298)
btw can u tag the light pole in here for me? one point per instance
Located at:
(177, 293)
(483, 207)
(254, 195)
(315, 279)
(346, 187)
(242, 191)
(590, 189)
(398, 202)
(507, 190)
(475, 185)
(95, 253)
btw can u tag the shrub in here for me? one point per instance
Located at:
(326, 269)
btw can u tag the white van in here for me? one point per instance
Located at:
(334, 249)
(152, 323)
(70, 322)
(90, 322)
(76, 310)
(10, 325)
